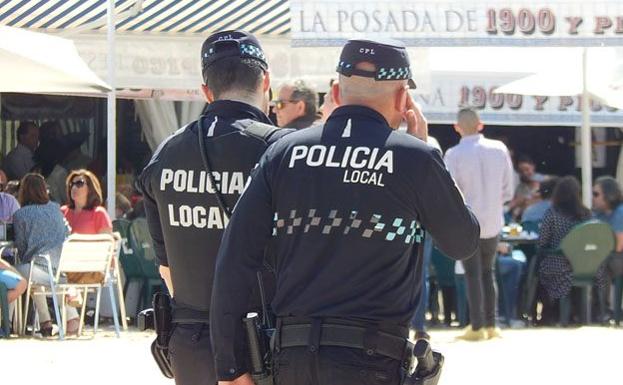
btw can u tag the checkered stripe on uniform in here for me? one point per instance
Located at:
(393, 73)
(252, 50)
(392, 229)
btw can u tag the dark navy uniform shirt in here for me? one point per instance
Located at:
(185, 220)
(345, 202)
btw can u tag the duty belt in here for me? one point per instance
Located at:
(369, 339)
(183, 315)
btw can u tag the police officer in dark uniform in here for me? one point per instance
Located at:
(193, 181)
(347, 203)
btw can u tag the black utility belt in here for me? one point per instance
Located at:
(190, 316)
(370, 340)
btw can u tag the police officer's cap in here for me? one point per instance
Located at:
(389, 57)
(233, 43)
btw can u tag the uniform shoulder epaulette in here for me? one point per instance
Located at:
(255, 129)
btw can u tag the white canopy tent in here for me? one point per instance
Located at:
(587, 75)
(32, 62)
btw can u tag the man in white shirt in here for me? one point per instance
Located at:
(483, 171)
(20, 160)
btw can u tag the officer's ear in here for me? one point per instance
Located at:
(207, 93)
(266, 82)
(335, 93)
(401, 99)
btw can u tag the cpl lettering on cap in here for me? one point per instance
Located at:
(366, 51)
(225, 37)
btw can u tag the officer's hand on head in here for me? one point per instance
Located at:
(245, 379)
(416, 122)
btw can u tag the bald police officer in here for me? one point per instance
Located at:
(346, 203)
(187, 197)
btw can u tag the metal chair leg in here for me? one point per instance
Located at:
(113, 304)
(97, 310)
(124, 321)
(83, 310)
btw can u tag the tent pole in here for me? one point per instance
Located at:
(111, 132)
(585, 138)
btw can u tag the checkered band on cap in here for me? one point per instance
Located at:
(248, 50)
(344, 65)
(398, 73)
(252, 50)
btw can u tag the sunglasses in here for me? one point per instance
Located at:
(281, 104)
(79, 183)
(596, 194)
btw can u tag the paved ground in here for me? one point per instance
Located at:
(523, 357)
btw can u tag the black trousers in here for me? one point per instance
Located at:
(334, 366)
(191, 354)
(479, 282)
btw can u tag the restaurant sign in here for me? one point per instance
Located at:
(460, 23)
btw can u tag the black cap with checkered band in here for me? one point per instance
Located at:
(388, 56)
(231, 44)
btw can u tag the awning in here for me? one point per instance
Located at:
(266, 17)
(34, 62)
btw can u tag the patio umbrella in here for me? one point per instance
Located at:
(571, 79)
(32, 62)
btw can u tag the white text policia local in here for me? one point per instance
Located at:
(361, 164)
(189, 181)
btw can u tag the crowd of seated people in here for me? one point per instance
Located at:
(553, 205)
(46, 197)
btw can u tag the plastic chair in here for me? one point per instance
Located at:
(116, 277)
(444, 276)
(142, 245)
(586, 247)
(80, 253)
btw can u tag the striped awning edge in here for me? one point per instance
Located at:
(262, 17)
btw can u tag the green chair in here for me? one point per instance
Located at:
(453, 297)
(142, 245)
(586, 247)
(128, 258)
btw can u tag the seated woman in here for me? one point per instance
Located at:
(555, 273)
(40, 229)
(85, 213)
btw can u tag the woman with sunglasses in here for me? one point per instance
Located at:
(84, 212)
(40, 229)
(85, 215)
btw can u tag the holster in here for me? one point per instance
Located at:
(259, 354)
(429, 365)
(163, 325)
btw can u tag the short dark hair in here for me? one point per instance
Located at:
(233, 74)
(523, 158)
(24, 127)
(33, 190)
(566, 199)
(546, 189)
(611, 190)
(94, 197)
(305, 93)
